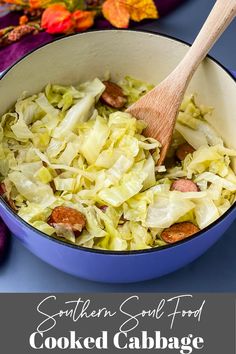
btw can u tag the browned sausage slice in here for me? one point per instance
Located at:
(69, 218)
(184, 185)
(2, 189)
(178, 232)
(183, 150)
(113, 95)
(8, 200)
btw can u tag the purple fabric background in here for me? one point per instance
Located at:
(11, 53)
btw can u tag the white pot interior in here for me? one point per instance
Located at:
(145, 56)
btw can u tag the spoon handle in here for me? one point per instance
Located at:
(219, 19)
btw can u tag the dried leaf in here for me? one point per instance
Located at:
(57, 19)
(17, 2)
(33, 14)
(3, 32)
(73, 5)
(83, 19)
(13, 34)
(37, 4)
(141, 9)
(116, 12)
(20, 31)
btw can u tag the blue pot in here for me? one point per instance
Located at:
(82, 57)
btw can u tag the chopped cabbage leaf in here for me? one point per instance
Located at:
(130, 185)
(206, 212)
(167, 209)
(95, 140)
(32, 191)
(80, 112)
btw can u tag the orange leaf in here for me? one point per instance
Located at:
(141, 9)
(116, 12)
(15, 2)
(37, 4)
(57, 19)
(83, 19)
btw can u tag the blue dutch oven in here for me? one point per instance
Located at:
(149, 57)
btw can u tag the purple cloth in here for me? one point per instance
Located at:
(11, 53)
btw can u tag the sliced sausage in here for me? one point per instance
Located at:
(113, 95)
(8, 200)
(2, 189)
(179, 231)
(183, 150)
(69, 218)
(184, 185)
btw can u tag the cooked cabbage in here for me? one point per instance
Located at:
(64, 147)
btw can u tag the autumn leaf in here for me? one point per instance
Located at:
(141, 9)
(37, 4)
(73, 5)
(83, 19)
(116, 12)
(57, 19)
(16, 2)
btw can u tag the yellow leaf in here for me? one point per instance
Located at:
(141, 9)
(116, 12)
(37, 4)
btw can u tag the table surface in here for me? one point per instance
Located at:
(214, 271)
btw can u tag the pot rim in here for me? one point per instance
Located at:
(108, 252)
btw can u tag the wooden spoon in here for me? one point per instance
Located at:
(159, 107)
